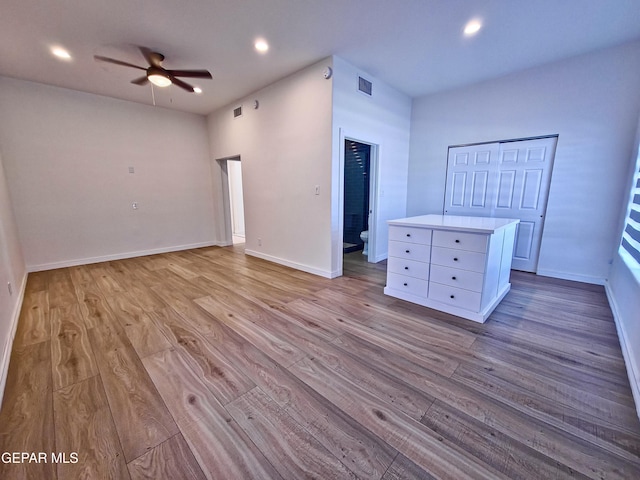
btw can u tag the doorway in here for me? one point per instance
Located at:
(232, 207)
(357, 192)
(236, 202)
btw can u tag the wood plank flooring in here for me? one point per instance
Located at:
(211, 364)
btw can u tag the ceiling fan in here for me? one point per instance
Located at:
(156, 73)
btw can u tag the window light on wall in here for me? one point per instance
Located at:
(630, 244)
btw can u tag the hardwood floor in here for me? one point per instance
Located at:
(211, 364)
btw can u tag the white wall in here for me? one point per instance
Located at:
(383, 119)
(285, 149)
(591, 101)
(66, 156)
(13, 270)
(623, 290)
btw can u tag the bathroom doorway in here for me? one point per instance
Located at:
(357, 192)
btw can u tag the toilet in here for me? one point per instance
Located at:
(364, 236)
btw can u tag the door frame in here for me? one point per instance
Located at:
(374, 166)
(227, 234)
(511, 140)
(236, 200)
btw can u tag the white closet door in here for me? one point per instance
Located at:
(506, 180)
(470, 172)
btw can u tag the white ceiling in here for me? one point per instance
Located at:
(415, 45)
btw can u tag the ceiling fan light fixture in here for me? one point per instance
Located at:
(159, 80)
(157, 74)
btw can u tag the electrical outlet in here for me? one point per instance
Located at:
(10, 288)
(259, 242)
(317, 189)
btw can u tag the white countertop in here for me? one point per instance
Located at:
(456, 223)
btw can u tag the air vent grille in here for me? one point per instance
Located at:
(237, 112)
(365, 86)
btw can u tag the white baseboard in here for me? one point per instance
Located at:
(6, 354)
(633, 370)
(571, 276)
(119, 256)
(381, 257)
(335, 274)
(288, 263)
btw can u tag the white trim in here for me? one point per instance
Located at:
(225, 205)
(8, 347)
(337, 242)
(379, 258)
(571, 276)
(627, 349)
(630, 263)
(374, 180)
(288, 263)
(120, 256)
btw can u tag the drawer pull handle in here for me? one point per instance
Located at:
(453, 296)
(455, 259)
(453, 278)
(405, 284)
(408, 234)
(406, 268)
(457, 241)
(406, 251)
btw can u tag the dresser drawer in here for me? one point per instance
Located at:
(410, 251)
(410, 234)
(449, 257)
(457, 278)
(410, 268)
(472, 242)
(455, 296)
(411, 285)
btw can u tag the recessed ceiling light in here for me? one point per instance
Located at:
(61, 53)
(261, 45)
(197, 90)
(472, 27)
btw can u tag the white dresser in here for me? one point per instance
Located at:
(459, 265)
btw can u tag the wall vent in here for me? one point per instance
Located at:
(365, 86)
(237, 112)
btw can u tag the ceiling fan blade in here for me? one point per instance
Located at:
(140, 81)
(116, 62)
(190, 73)
(153, 58)
(181, 84)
